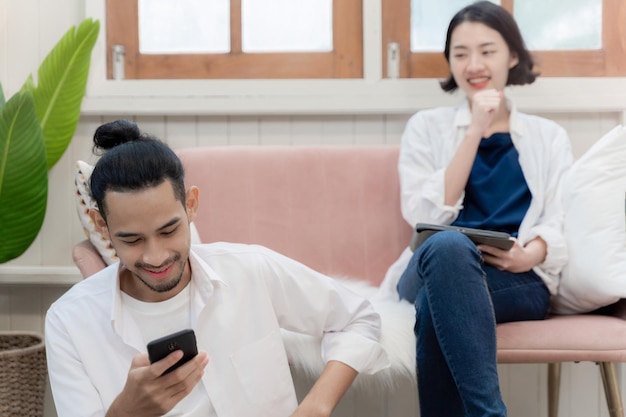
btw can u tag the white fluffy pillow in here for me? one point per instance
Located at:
(595, 227)
(84, 203)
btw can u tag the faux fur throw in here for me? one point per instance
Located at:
(398, 319)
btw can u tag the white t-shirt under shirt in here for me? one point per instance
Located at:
(160, 319)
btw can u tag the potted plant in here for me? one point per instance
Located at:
(36, 127)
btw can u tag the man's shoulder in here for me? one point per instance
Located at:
(228, 249)
(232, 256)
(96, 288)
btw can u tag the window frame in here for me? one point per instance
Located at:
(344, 61)
(575, 63)
(374, 94)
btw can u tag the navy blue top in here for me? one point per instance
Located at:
(496, 195)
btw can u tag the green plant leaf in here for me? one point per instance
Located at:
(23, 175)
(61, 84)
(2, 102)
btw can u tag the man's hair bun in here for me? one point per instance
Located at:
(115, 133)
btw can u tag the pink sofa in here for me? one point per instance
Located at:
(336, 209)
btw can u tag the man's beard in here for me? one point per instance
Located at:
(166, 286)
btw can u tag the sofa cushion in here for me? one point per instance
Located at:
(595, 227)
(333, 208)
(84, 203)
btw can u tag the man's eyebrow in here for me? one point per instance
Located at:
(170, 223)
(131, 234)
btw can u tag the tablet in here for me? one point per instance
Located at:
(500, 240)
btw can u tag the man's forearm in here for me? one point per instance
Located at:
(327, 391)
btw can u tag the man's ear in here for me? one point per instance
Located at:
(191, 203)
(99, 223)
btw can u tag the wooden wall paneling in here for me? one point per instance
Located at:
(586, 394)
(369, 129)
(402, 400)
(584, 129)
(50, 30)
(82, 143)
(181, 131)
(212, 130)
(307, 130)
(527, 389)
(5, 307)
(60, 212)
(32, 255)
(22, 49)
(337, 130)
(275, 130)
(153, 125)
(25, 308)
(394, 126)
(4, 41)
(243, 130)
(608, 121)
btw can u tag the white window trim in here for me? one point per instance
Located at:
(370, 95)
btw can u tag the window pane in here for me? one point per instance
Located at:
(184, 26)
(286, 25)
(574, 24)
(429, 23)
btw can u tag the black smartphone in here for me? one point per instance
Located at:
(184, 340)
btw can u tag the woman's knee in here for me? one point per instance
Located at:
(448, 245)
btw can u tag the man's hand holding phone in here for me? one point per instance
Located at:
(150, 391)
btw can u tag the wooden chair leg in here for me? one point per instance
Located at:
(611, 389)
(554, 386)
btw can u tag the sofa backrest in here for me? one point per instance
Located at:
(333, 208)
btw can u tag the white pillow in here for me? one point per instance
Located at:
(595, 227)
(84, 203)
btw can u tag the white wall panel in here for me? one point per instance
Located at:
(3, 41)
(212, 131)
(394, 126)
(22, 48)
(243, 130)
(66, 14)
(307, 130)
(181, 131)
(275, 130)
(153, 125)
(368, 130)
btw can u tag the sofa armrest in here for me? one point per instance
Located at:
(87, 258)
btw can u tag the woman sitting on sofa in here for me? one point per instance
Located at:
(480, 165)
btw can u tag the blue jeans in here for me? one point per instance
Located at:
(458, 301)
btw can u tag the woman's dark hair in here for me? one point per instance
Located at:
(132, 161)
(500, 20)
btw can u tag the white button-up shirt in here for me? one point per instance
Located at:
(429, 142)
(241, 295)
